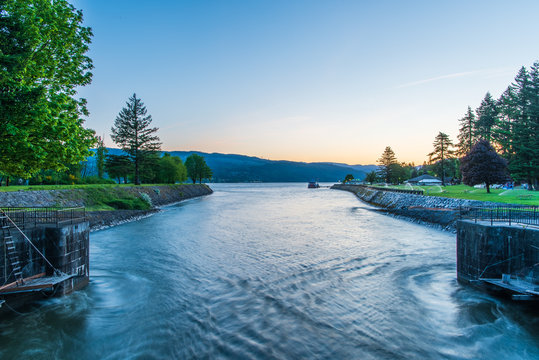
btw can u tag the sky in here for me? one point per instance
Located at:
(313, 80)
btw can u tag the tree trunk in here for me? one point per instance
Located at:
(488, 188)
(137, 181)
(7, 181)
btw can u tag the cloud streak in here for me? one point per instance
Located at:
(443, 77)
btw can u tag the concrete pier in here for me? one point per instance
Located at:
(53, 260)
(489, 251)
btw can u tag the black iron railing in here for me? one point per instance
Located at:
(41, 215)
(518, 214)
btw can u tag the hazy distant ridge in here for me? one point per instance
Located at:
(242, 168)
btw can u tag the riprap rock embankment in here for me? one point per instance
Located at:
(432, 209)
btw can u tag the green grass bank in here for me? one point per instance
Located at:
(516, 196)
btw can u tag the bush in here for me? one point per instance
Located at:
(128, 204)
(146, 198)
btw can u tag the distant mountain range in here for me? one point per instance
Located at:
(241, 168)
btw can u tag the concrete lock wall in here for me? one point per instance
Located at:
(488, 251)
(65, 246)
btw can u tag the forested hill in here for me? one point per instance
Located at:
(241, 168)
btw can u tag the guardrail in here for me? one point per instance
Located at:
(41, 215)
(520, 214)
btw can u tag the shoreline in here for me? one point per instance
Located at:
(158, 195)
(425, 210)
(100, 220)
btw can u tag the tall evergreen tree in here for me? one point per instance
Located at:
(386, 164)
(483, 165)
(131, 132)
(466, 133)
(442, 151)
(519, 125)
(486, 118)
(502, 133)
(532, 131)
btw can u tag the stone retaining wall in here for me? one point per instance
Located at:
(432, 209)
(160, 195)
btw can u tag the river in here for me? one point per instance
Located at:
(272, 271)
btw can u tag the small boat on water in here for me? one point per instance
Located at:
(313, 185)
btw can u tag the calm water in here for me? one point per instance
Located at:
(272, 272)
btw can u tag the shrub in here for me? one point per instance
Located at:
(146, 198)
(128, 204)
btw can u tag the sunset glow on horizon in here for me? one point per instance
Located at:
(310, 81)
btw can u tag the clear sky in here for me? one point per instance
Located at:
(305, 80)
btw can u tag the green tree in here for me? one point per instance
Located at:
(487, 113)
(131, 132)
(371, 177)
(42, 63)
(466, 133)
(100, 153)
(442, 151)
(150, 168)
(197, 169)
(386, 164)
(118, 167)
(348, 178)
(517, 129)
(451, 168)
(483, 165)
(401, 172)
(171, 169)
(207, 172)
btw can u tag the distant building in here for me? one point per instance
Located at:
(424, 180)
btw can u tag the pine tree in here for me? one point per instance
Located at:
(132, 133)
(486, 118)
(518, 126)
(502, 133)
(466, 133)
(386, 164)
(533, 128)
(483, 165)
(442, 151)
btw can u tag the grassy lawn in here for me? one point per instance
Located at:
(517, 196)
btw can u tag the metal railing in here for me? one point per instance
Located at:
(518, 214)
(41, 215)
